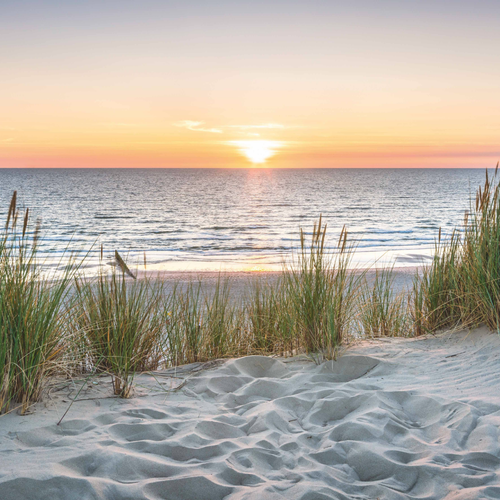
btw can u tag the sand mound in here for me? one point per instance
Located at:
(399, 419)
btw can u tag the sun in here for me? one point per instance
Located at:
(257, 151)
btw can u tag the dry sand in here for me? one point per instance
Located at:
(390, 419)
(240, 282)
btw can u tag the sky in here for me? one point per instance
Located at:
(208, 83)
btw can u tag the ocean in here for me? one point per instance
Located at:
(239, 219)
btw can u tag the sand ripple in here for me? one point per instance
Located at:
(391, 420)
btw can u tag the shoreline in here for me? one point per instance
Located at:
(156, 262)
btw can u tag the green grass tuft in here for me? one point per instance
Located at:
(122, 324)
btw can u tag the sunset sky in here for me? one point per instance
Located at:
(207, 83)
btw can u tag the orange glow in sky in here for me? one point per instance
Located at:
(242, 84)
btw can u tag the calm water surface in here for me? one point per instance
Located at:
(201, 219)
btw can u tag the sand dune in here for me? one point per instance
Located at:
(391, 419)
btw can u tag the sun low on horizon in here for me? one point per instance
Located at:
(258, 151)
(248, 84)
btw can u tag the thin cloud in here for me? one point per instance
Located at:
(248, 130)
(197, 126)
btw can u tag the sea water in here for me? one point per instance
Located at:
(240, 219)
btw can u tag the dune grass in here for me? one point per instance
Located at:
(202, 325)
(33, 322)
(271, 322)
(382, 312)
(222, 322)
(434, 304)
(321, 290)
(480, 257)
(461, 287)
(116, 324)
(312, 306)
(121, 325)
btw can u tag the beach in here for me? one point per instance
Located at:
(391, 418)
(242, 283)
(249, 250)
